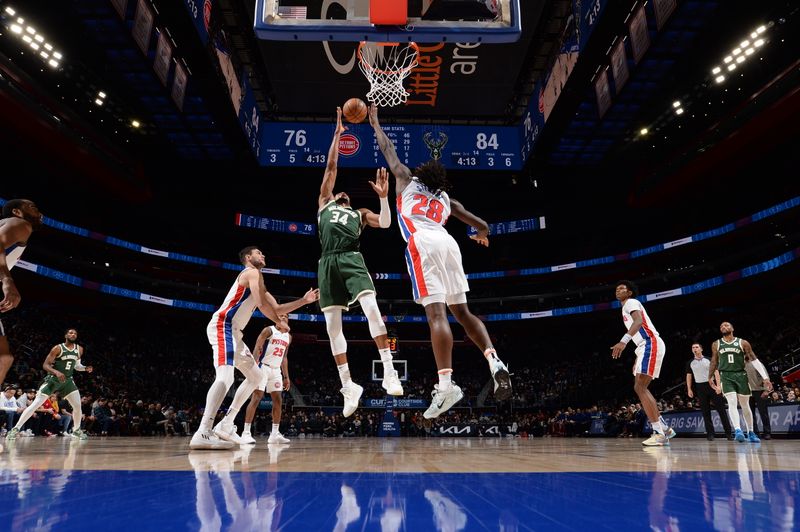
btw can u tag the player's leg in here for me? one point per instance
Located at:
(246, 364)
(377, 329)
(277, 403)
(44, 392)
(6, 358)
(747, 413)
(250, 413)
(646, 368)
(222, 346)
(74, 400)
(476, 330)
(445, 393)
(729, 391)
(350, 390)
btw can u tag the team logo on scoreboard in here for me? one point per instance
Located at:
(436, 145)
(292, 228)
(349, 145)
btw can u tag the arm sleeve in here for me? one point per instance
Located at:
(385, 216)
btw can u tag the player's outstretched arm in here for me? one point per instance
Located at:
(13, 231)
(381, 188)
(47, 365)
(458, 210)
(311, 296)
(329, 179)
(400, 171)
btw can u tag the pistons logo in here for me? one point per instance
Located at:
(292, 228)
(349, 145)
(277, 386)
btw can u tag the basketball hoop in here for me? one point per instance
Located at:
(386, 65)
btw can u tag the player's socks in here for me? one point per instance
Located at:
(344, 373)
(276, 428)
(657, 427)
(445, 379)
(386, 358)
(247, 427)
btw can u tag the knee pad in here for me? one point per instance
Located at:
(225, 375)
(370, 307)
(333, 323)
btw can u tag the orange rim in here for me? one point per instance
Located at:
(385, 72)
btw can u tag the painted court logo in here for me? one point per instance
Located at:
(349, 145)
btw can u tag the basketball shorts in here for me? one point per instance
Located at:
(433, 259)
(343, 278)
(271, 380)
(649, 357)
(51, 385)
(735, 381)
(228, 347)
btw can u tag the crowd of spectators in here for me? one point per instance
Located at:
(153, 380)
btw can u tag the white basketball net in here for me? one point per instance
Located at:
(386, 66)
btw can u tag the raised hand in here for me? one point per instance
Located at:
(373, 116)
(381, 183)
(340, 128)
(312, 295)
(482, 237)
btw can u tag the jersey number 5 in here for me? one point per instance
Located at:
(68, 366)
(430, 209)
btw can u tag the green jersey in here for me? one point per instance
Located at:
(731, 355)
(66, 360)
(339, 228)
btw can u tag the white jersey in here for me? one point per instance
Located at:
(273, 351)
(236, 311)
(13, 254)
(647, 333)
(419, 209)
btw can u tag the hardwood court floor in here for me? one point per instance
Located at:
(399, 484)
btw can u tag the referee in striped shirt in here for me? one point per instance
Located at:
(707, 392)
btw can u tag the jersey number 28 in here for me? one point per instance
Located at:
(431, 209)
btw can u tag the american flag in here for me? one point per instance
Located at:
(298, 12)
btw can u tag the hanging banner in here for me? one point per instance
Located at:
(143, 25)
(619, 66)
(640, 37)
(603, 93)
(120, 6)
(663, 10)
(163, 60)
(179, 84)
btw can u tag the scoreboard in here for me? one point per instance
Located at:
(465, 147)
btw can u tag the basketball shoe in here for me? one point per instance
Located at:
(352, 393)
(277, 437)
(206, 439)
(501, 377)
(227, 431)
(656, 440)
(441, 401)
(391, 383)
(247, 438)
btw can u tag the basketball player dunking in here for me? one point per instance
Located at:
(343, 276)
(434, 264)
(272, 348)
(225, 335)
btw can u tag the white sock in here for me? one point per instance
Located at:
(445, 380)
(247, 427)
(733, 413)
(490, 354)
(276, 428)
(657, 427)
(214, 398)
(344, 374)
(386, 358)
(747, 414)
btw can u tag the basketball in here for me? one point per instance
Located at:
(355, 110)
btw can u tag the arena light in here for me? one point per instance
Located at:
(34, 39)
(98, 101)
(44, 54)
(736, 51)
(749, 51)
(16, 28)
(716, 70)
(10, 11)
(727, 59)
(644, 131)
(759, 43)
(101, 95)
(731, 67)
(740, 59)
(679, 111)
(720, 78)
(761, 29)
(676, 104)
(53, 63)
(135, 123)
(744, 44)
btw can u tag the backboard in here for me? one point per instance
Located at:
(349, 20)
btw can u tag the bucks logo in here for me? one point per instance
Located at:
(435, 145)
